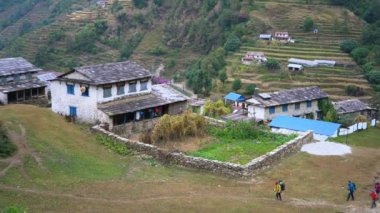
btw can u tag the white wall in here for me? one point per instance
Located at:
(86, 106)
(3, 98)
(256, 112)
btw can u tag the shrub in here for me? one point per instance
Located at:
(272, 64)
(354, 90)
(55, 36)
(348, 45)
(374, 76)
(178, 126)
(130, 46)
(216, 109)
(7, 148)
(359, 54)
(140, 4)
(223, 76)
(250, 89)
(308, 24)
(157, 51)
(236, 84)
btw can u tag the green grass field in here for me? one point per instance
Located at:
(61, 167)
(368, 138)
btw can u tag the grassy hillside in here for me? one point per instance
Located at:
(289, 16)
(61, 167)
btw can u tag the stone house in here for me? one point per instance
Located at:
(299, 102)
(355, 107)
(19, 82)
(113, 94)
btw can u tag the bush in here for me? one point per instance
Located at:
(359, 54)
(236, 84)
(140, 4)
(348, 45)
(272, 64)
(113, 145)
(130, 46)
(157, 51)
(223, 76)
(55, 36)
(7, 148)
(250, 89)
(374, 76)
(233, 43)
(178, 126)
(216, 109)
(353, 90)
(308, 24)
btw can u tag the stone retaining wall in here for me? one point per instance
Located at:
(224, 168)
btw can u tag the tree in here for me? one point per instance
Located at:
(233, 43)
(348, 45)
(272, 64)
(236, 84)
(140, 4)
(331, 116)
(308, 24)
(374, 77)
(216, 109)
(359, 54)
(223, 76)
(328, 111)
(250, 89)
(198, 80)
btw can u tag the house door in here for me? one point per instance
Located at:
(73, 111)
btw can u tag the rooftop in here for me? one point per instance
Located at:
(21, 85)
(10, 66)
(161, 95)
(302, 124)
(113, 72)
(350, 106)
(288, 96)
(234, 97)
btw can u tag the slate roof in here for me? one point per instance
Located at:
(22, 85)
(113, 72)
(350, 106)
(302, 124)
(10, 66)
(288, 96)
(161, 95)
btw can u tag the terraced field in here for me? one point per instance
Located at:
(289, 16)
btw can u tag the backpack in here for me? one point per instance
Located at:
(282, 184)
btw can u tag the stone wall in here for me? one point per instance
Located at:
(126, 130)
(224, 168)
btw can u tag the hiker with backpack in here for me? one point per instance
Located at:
(282, 184)
(277, 189)
(374, 197)
(351, 187)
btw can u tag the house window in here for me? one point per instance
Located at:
(297, 106)
(70, 89)
(22, 77)
(73, 111)
(85, 90)
(17, 77)
(308, 104)
(143, 85)
(10, 79)
(120, 88)
(107, 91)
(132, 86)
(285, 108)
(29, 76)
(272, 110)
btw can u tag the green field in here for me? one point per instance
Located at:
(368, 138)
(61, 167)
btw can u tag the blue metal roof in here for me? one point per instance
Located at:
(234, 97)
(302, 124)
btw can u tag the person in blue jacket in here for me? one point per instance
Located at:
(351, 187)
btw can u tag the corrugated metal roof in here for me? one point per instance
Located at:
(234, 97)
(302, 124)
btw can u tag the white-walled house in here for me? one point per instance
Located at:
(299, 102)
(113, 94)
(19, 82)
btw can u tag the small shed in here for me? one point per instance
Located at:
(237, 99)
(281, 35)
(295, 67)
(197, 105)
(321, 128)
(265, 36)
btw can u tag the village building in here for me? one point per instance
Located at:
(197, 105)
(281, 36)
(114, 94)
(299, 102)
(257, 57)
(19, 82)
(312, 63)
(236, 100)
(355, 107)
(265, 36)
(295, 67)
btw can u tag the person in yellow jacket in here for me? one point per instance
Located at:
(277, 189)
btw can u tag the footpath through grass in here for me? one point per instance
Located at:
(367, 138)
(240, 143)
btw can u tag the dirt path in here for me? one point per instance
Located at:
(19, 139)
